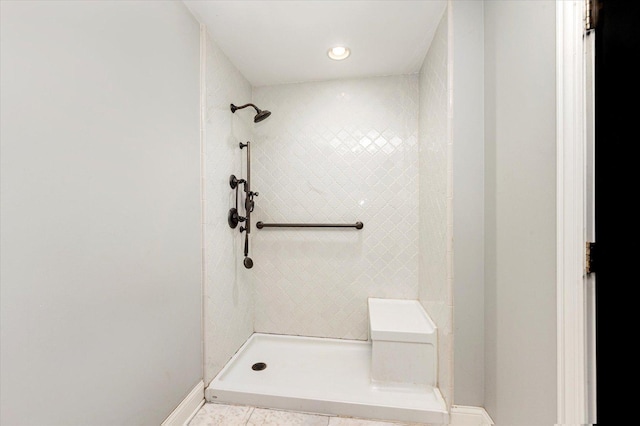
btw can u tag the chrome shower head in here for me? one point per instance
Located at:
(260, 114)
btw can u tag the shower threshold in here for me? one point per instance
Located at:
(317, 375)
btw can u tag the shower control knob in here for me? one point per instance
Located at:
(248, 202)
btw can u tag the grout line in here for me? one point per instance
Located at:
(251, 410)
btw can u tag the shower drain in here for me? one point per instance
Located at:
(258, 366)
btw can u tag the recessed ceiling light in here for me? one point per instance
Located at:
(339, 53)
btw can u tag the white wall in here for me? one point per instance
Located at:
(435, 195)
(520, 209)
(468, 199)
(228, 292)
(335, 151)
(101, 265)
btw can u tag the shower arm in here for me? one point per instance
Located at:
(235, 108)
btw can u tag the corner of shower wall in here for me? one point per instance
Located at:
(435, 199)
(228, 296)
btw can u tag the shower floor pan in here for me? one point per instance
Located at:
(317, 375)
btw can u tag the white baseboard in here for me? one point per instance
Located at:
(462, 415)
(187, 408)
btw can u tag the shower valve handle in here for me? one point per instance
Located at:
(248, 202)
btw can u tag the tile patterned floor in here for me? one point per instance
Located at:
(236, 415)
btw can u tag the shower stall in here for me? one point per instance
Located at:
(353, 176)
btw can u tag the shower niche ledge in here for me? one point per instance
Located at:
(320, 375)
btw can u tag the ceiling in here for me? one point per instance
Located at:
(275, 42)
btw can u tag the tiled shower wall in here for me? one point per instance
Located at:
(228, 297)
(336, 151)
(435, 163)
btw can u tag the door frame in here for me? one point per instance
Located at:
(575, 317)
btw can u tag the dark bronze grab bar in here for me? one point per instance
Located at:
(357, 225)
